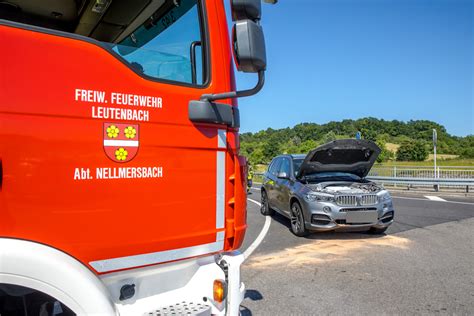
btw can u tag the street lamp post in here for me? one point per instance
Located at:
(435, 141)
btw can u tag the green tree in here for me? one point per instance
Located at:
(305, 136)
(256, 157)
(307, 146)
(368, 134)
(467, 147)
(329, 137)
(270, 150)
(412, 151)
(385, 154)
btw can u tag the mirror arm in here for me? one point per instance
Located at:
(237, 94)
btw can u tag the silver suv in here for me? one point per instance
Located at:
(327, 190)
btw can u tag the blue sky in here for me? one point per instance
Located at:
(391, 59)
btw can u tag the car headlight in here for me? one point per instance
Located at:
(385, 196)
(319, 197)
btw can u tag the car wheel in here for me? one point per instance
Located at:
(265, 206)
(377, 231)
(297, 220)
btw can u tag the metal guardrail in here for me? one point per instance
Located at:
(423, 167)
(452, 177)
(435, 183)
(425, 181)
(423, 172)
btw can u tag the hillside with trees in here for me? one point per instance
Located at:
(413, 139)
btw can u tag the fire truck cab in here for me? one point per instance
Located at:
(122, 191)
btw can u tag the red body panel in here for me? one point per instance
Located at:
(53, 152)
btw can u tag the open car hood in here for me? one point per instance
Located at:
(354, 156)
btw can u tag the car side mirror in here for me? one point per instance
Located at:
(249, 46)
(283, 175)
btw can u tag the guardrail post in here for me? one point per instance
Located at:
(467, 188)
(436, 175)
(395, 174)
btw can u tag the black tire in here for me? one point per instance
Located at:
(376, 231)
(297, 220)
(265, 206)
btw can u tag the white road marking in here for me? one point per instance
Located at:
(434, 198)
(419, 199)
(260, 236)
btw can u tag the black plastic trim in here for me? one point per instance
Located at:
(214, 113)
(127, 291)
(192, 53)
(107, 47)
(237, 94)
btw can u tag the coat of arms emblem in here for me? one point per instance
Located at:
(121, 141)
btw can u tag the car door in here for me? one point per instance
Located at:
(282, 186)
(270, 180)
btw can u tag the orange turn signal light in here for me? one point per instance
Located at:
(220, 290)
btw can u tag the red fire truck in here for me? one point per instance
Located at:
(122, 191)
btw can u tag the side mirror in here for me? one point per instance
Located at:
(246, 9)
(283, 175)
(249, 46)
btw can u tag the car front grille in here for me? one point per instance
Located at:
(370, 199)
(346, 200)
(356, 200)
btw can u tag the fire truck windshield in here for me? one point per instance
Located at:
(161, 46)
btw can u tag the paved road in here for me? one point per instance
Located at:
(423, 265)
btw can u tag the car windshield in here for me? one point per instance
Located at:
(331, 176)
(296, 165)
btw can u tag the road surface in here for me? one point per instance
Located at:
(424, 264)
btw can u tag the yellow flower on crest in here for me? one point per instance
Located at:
(112, 131)
(121, 154)
(130, 132)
